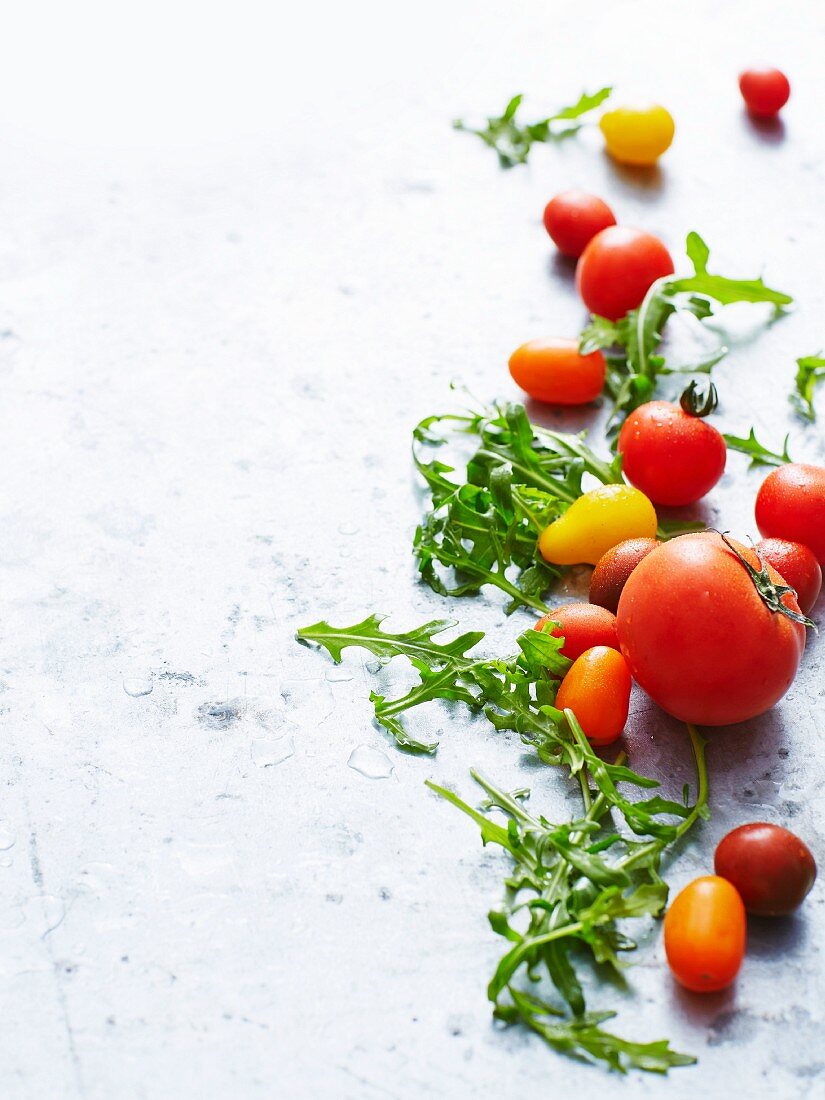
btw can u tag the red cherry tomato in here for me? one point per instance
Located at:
(705, 931)
(765, 91)
(618, 268)
(797, 565)
(597, 690)
(673, 457)
(583, 626)
(613, 569)
(698, 637)
(790, 504)
(770, 867)
(553, 371)
(573, 218)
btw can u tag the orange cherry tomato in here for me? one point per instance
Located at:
(553, 371)
(597, 690)
(705, 933)
(583, 626)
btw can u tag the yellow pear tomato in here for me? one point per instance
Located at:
(637, 135)
(595, 523)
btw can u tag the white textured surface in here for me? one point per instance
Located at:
(238, 261)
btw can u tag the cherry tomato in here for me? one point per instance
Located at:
(618, 268)
(797, 564)
(699, 638)
(613, 569)
(637, 135)
(771, 868)
(573, 218)
(553, 371)
(790, 504)
(705, 932)
(597, 690)
(582, 626)
(765, 91)
(595, 522)
(672, 456)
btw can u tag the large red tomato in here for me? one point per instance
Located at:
(618, 268)
(699, 638)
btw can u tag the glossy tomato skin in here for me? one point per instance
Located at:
(699, 639)
(613, 569)
(552, 370)
(597, 690)
(673, 457)
(573, 218)
(637, 135)
(765, 91)
(594, 522)
(771, 868)
(582, 626)
(797, 564)
(790, 504)
(618, 268)
(705, 931)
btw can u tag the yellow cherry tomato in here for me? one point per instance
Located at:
(595, 523)
(637, 135)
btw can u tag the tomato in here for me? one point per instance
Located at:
(573, 218)
(790, 504)
(582, 626)
(765, 91)
(618, 268)
(674, 457)
(797, 564)
(770, 867)
(595, 522)
(597, 690)
(637, 135)
(699, 638)
(705, 930)
(553, 371)
(613, 569)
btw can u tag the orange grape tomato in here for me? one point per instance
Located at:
(705, 933)
(597, 690)
(551, 370)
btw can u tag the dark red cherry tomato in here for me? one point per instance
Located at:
(583, 626)
(618, 268)
(770, 867)
(765, 91)
(797, 566)
(573, 218)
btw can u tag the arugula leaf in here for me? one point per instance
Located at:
(634, 362)
(513, 141)
(483, 529)
(759, 455)
(809, 371)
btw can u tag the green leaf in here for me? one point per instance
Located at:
(758, 454)
(720, 288)
(810, 370)
(513, 141)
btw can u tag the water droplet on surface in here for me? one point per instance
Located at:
(348, 529)
(266, 752)
(7, 839)
(372, 666)
(370, 763)
(138, 685)
(338, 674)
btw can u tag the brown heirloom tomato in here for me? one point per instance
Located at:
(770, 867)
(699, 638)
(613, 569)
(705, 933)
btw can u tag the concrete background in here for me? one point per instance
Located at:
(240, 255)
